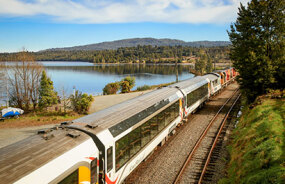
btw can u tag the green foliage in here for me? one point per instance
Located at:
(47, 95)
(125, 87)
(257, 150)
(258, 46)
(200, 65)
(127, 84)
(209, 66)
(143, 88)
(111, 88)
(81, 103)
(142, 54)
(131, 80)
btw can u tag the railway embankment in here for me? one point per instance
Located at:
(257, 150)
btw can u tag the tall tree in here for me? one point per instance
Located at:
(48, 96)
(258, 50)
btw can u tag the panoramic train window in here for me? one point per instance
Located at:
(197, 94)
(110, 159)
(94, 171)
(70, 179)
(145, 131)
(153, 126)
(130, 144)
(135, 141)
(122, 151)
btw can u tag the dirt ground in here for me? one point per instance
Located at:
(9, 134)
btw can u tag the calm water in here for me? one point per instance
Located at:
(91, 78)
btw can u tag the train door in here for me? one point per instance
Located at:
(94, 168)
(110, 176)
(181, 107)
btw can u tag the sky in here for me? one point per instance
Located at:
(41, 24)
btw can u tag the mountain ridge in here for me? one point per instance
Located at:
(133, 42)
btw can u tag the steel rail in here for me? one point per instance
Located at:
(216, 140)
(178, 176)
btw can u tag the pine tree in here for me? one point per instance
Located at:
(257, 51)
(48, 96)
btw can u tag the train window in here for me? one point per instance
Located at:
(168, 117)
(122, 151)
(109, 159)
(130, 144)
(161, 118)
(153, 126)
(197, 94)
(135, 141)
(94, 171)
(145, 131)
(70, 179)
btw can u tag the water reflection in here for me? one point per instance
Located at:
(91, 78)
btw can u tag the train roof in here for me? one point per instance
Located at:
(191, 84)
(211, 76)
(21, 158)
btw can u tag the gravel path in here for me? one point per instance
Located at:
(166, 161)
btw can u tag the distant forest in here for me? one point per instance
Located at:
(138, 54)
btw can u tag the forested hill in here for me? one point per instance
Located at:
(140, 41)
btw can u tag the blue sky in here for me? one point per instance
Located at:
(42, 24)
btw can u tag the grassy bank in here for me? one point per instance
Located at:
(257, 149)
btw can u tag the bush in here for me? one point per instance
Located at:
(125, 87)
(81, 103)
(127, 84)
(111, 88)
(143, 88)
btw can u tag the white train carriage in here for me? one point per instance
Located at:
(215, 82)
(106, 146)
(195, 91)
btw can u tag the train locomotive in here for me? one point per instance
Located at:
(106, 146)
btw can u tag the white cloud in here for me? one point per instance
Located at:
(124, 11)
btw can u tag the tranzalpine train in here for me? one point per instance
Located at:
(106, 146)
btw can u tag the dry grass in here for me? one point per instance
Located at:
(37, 119)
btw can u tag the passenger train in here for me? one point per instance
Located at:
(106, 146)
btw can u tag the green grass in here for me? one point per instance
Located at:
(257, 149)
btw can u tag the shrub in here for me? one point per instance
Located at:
(127, 84)
(131, 80)
(81, 103)
(125, 87)
(143, 88)
(111, 88)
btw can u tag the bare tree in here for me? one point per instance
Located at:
(65, 101)
(24, 78)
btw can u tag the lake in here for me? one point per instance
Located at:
(91, 78)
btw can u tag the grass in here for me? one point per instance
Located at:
(38, 118)
(257, 149)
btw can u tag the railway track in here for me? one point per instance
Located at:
(199, 166)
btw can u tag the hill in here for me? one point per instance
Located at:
(140, 41)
